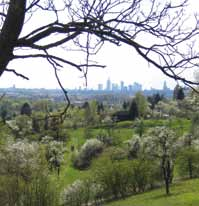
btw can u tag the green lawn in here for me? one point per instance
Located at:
(185, 193)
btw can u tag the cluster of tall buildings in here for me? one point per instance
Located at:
(110, 86)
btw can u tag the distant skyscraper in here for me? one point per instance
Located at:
(108, 84)
(136, 87)
(100, 87)
(165, 88)
(115, 87)
(121, 85)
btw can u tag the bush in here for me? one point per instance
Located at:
(91, 148)
(188, 163)
(24, 179)
(54, 153)
(81, 192)
(113, 176)
(134, 146)
(116, 153)
(145, 174)
(104, 137)
(40, 192)
(121, 177)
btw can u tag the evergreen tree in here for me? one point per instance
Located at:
(178, 93)
(125, 105)
(133, 110)
(154, 99)
(26, 109)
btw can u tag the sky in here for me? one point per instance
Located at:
(122, 64)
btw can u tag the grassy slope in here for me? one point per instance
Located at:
(185, 193)
(122, 131)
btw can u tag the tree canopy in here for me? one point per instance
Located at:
(41, 26)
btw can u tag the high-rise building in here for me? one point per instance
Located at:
(136, 86)
(121, 85)
(115, 87)
(165, 88)
(108, 84)
(100, 87)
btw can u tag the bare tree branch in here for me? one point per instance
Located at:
(54, 65)
(17, 74)
(163, 33)
(58, 59)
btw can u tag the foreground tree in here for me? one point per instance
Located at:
(86, 25)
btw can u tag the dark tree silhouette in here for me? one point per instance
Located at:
(125, 105)
(35, 125)
(86, 25)
(154, 99)
(26, 109)
(133, 110)
(3, 113)
(100, 107)
(178, 93)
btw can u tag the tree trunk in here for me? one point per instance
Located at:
(11, 30)
(167, 187)
(190, 168)
(167, 175)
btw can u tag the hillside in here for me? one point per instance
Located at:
(185, 193)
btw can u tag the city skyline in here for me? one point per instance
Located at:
(110, 86)
(122, 63)
(122, 86)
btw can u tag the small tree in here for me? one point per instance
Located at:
(26, 109)
(178, 93)
(3, 114)
(114, 176)
(133, 110)
(139, 127)
(54, 153)
(162, 145)
(142, 104)
(188, 161)
(154, 99)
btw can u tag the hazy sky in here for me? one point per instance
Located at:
(122, 63)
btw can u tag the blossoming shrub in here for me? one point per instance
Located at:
(81, 192)
(24, 179)
(92, 148)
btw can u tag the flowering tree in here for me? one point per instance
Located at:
(162, 144)
(24, 176)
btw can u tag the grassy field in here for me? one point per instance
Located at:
(185, 193)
